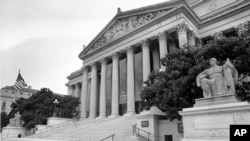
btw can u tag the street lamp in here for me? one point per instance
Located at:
(55, 108)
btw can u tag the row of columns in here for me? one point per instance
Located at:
(162, 38)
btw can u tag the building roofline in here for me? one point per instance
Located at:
(145, 9)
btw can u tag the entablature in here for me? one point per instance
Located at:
(75, 74)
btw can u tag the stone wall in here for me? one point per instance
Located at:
(167, 127)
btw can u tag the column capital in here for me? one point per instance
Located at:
(191, 36)
(85, 68)
(162, 36)
(145, 43)
(241, 28)
(93, 65)
(218, 35)
(182, 27)
(103, 60)
(130, 50)
(115, 56)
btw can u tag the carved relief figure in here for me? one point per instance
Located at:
(127, 24)
(217, 80)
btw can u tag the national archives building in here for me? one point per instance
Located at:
(130, 46)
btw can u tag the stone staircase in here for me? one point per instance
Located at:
(90, 130)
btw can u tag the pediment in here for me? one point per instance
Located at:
(128, 21)
(127, 24)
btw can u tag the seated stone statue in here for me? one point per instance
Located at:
(15, 122)
(217, 80)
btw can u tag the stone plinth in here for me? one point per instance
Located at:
(210, 118)
(14, 132)
(148, 121)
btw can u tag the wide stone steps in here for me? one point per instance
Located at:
(93, 130)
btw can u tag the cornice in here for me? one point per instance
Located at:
(225, 14)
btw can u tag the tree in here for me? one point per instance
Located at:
(175, 88)
(4, 120)
(40, 106)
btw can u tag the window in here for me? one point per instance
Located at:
(13, 92)
(6, 90)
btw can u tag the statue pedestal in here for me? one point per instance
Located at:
(13, 132)
(210, 118)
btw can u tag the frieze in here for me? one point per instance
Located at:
(125, 25)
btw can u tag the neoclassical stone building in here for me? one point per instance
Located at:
(130, 46)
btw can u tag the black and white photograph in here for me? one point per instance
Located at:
(125, 70)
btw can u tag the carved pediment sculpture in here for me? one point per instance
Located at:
(125, 25)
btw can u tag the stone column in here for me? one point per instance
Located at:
(73, 89)
(103, 89)
(93, 92)
(182, 34)
(84, 93)
(130, 82)
(77, 90)
(162, 37)
(191, 38)
(115, 86)
(68, 89)
(145, 59)
(156, 58)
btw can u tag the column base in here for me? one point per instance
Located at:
(114, 115)
(83, 118)
(101, 117)
(91, 117)
(129, 113)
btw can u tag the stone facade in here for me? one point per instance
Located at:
(120, 57)
(9, 94)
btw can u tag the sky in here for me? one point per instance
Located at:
(43, 38)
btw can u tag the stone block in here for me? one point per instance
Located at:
(210, 118)
(13, 132)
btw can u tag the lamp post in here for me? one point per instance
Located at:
(55, 102)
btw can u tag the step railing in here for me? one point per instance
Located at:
(139, 133)
(111, 136)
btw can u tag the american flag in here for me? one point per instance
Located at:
(20, 83)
